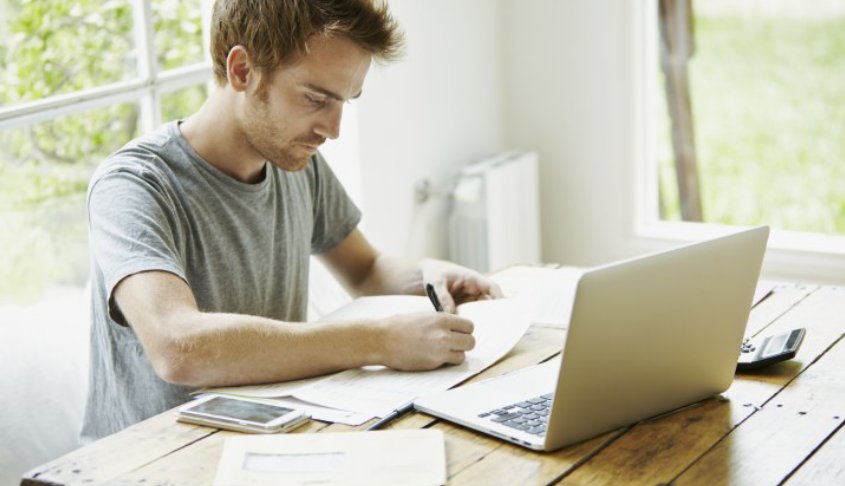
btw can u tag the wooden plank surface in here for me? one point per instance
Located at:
(825, 466)
(511, 464)
(777, 438)
(642, 454)
(192, 465)
(127, 450)
(197, 464)
(783, 298)
(657, 451)
(784, 422)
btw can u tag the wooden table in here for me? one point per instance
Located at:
(782, 424)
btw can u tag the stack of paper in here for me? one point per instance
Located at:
(355, 396)
(547, 294)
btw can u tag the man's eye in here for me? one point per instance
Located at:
(316, 102)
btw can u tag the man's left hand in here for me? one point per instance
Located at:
(455, 284)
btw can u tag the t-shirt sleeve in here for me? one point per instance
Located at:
(335, 214)
(132, 229)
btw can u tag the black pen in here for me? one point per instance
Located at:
(432, 296)
(392, 416)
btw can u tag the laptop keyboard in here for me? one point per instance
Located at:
(530, 415)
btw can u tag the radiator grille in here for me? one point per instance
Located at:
(495, 216)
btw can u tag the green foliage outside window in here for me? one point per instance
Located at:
(178, 33)
(60, 46)
(768, 98)
(54, 47)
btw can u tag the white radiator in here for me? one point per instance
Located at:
(495, 216)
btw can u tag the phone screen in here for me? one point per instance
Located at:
(241, 410)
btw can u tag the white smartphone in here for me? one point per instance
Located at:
(241, 414)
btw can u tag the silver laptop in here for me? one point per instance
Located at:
(645, 336)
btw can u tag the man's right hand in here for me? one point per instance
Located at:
(425, 340)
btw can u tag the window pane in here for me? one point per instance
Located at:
(768, 107)
(44, 172)
(179, 104)
(57, 46)
(178, 32)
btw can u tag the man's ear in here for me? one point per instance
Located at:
(239, 70)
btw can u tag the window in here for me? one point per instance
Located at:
(766, 120)
(768, 113)
(78, 79)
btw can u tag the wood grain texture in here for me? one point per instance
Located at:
(152, 450)
(783, 298)
(781, 423)
(658, 450)
(510, 464)
(777, 438)
(465, 447)
(127, 450)
(822, 313)
(825, 466)
(192, 465)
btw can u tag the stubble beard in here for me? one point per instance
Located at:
(262, 135)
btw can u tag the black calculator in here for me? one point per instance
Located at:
(756, 354)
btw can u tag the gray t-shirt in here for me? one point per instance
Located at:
(243, 248)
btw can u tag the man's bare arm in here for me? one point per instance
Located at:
(194, 348)
(366, 272)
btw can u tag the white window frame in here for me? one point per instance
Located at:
(793, 256)
(145, 89)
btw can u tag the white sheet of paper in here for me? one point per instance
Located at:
(375, 390)
(408, 457)
(325, 414)
(378, 306)
(271, 390)
(548, 293)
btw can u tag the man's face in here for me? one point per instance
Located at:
(302, 104)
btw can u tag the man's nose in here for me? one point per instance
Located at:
(328, 126)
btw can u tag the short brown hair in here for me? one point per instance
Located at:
(275, 32)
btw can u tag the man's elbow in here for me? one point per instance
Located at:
(175, 373)
(176, 362)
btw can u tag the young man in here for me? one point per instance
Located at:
(201, 232)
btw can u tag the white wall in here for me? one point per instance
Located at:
(481, 76)
(424, 117)
(567, 91)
